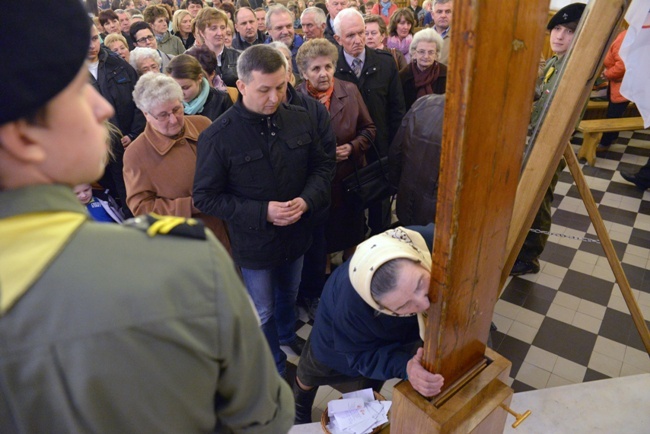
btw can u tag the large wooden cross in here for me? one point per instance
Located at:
(494, 55)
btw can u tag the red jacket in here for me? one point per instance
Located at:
(615, 69)
(376, 9)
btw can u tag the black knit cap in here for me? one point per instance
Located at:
(39, 60)
(568, 14)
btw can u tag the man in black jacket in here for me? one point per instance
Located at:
(246, 26)
(375, 74)
(333, 9)
(261, 168)
(115, 80)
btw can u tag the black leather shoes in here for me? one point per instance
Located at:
(525, 267)
(631, 177)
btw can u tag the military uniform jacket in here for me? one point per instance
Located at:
(545, 84)
(127, 333)
(245, 160)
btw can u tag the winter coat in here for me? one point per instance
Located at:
(381, 90)
(350, 337)
(408, 84)
(615, 69)
(228, 69)
(159, 172)
(115, 81)
(217, 103)
(414, 161)
(172, 45)
(245, 160)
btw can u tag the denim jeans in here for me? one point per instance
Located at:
(274, 292)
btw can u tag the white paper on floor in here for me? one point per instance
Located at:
(358, 412)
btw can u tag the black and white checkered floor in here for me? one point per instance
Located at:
(569, 323)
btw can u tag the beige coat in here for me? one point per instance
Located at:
(159, 175)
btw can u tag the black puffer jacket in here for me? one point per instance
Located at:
(115, 81)
(414, 161)
(245, 160)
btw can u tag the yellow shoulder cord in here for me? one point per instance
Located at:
(28, 244)
(549, 74)
(165, 224)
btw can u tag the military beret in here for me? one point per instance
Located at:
(40, 60)
(568, 14)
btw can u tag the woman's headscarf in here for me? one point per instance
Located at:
(398, 243)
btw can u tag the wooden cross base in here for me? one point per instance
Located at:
(473, 408)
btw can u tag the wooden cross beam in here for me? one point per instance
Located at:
(494, 58)
(493, 65)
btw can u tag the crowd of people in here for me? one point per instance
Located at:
(243, 118)
(181, 64)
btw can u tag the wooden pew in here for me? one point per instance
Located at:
(593, 130)
(597, 109)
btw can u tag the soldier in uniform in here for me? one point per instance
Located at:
(105, 328)
(562, 27)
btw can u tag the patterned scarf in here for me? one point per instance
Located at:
(385, 7)
(424, 79)
(324, 97)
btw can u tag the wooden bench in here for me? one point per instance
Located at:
(595, 104)
(597, 109)
(593, 130)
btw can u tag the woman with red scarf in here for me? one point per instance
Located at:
(354, 129)
(424, 75)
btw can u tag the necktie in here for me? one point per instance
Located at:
(356, 66)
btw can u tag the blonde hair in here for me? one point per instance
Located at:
(114, 37)
(176, 21)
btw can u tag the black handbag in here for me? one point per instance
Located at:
(369, 184)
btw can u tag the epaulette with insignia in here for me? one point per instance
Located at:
(154, 224)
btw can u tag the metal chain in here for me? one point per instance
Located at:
(586, 240)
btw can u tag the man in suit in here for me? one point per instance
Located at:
(375, 74)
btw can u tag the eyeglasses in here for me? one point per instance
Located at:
(164, 116)
(145, 39)
(430, 53)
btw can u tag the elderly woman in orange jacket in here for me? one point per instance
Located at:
(159, 165)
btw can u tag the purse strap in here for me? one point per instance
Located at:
(374, 147)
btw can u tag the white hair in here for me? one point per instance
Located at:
(141, 53)
(153, 89)
(426, 35)
(319, 15)
(345, 13)
(280, 46)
